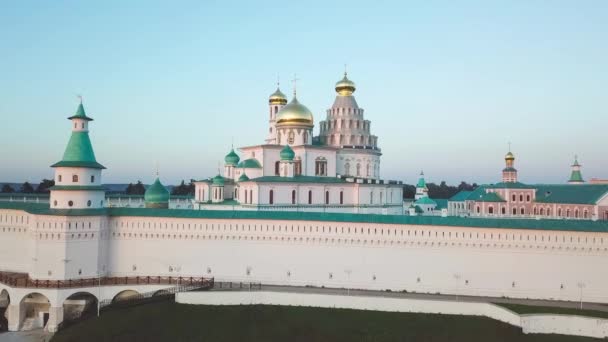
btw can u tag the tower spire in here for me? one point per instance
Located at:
(295, 81)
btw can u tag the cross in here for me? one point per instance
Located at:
(294, 81)
(509, 146)
(157, 168)
(278, 81)
(345, 71)
(80, 98)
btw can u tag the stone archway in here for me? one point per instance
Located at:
(161, 293)
(35, 311)
(125, 295)
(5, 301)
(79, 305)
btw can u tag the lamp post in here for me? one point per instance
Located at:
(581, 286)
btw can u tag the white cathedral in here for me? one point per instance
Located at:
(337, 171)
(298, 210)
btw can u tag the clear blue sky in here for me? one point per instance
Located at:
(446, 84)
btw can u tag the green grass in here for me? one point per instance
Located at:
(168, 321)
(530, 309)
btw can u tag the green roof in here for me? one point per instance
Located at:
(421, 181)
(250, 164)
(490, 197)
(452, 221)
(297, 179)
(80, 114)
(571, 194)
(287, 153)
(425, 201)
(441, 203)
(510, 185)
(576, 176)
(156, 193)
(418, 210)
(78, 187)
(79, 153)
(243, 178)
(218, 180)
(232, 158)
(460, 196)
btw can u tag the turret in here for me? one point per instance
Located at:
(230, 162)
(421, 188)
(286, 164)
(78, 174)
(217, 189)
(276, 102)
(575, 176)
(509, 173)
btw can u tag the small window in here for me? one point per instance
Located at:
(523, 212)
(293, 197)
(271, 197)
(75, 178)
(514, 198)
(521, 198)
(59, 178)
(88, 203)
(341, 197)
(326, 197)
(309, 196)
(504, 210)
(92, 179)
(55, 203)
(70, 203)
(527, 198)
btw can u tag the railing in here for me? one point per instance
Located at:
(22, 280)
(226, 286)
(152, 296)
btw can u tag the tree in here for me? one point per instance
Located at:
(183, 189)
(7, 189)
(26, 188)
(44, 186)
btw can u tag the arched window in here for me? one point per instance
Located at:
(514, 211)
(75, 178)
(513, 198)
(276, 168)
(59, 178)
(293, 197)
(320, 166)
(371, 197)
(503, 210)
(291, 138)
(346, 169)
(575, 213)
(250, 196)
(309, 196)
(521, 198)
(478, 209)
(276, 109)
(559, 212)
(567, 212)
(92, 179)
(367, 169)
(542, 211)
(585, 213)
(236, 193)
(523, 211)
(341, 197)
(326, 197)
(535, 210)
(358, 170)
(528, 199)
(490, 210)
(298, 166)
(271, 197)
(548, 211)
(305, 137)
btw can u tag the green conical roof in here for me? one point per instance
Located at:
(576, 177)
(287, 153)
(243, 178)
(156, 193)
(218, 180)
(421, 181)
(80, 114)
(232, 158)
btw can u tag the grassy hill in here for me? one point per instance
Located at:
(168, 321)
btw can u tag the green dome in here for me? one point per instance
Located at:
(218, 180)
(243, 178)
(232, 158)
(156, 193)
(287, 153)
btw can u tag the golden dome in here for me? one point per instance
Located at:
(277, 97)
(509, 156)
(295, 113)
(345, 87)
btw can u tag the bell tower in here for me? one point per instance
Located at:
(276, 102)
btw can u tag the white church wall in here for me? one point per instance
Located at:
(15, 240)
(61, 199)
(83, 176)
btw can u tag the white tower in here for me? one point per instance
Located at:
(421, 188)
(78, 174)
(276, 102)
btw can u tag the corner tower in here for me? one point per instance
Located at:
(78, 174)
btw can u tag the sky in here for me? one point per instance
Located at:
(446, 84)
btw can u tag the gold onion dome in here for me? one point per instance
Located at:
(509, 156)
(345, 87)
(277, 97)
(295, 113)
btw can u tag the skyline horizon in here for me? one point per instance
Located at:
(445, 86)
